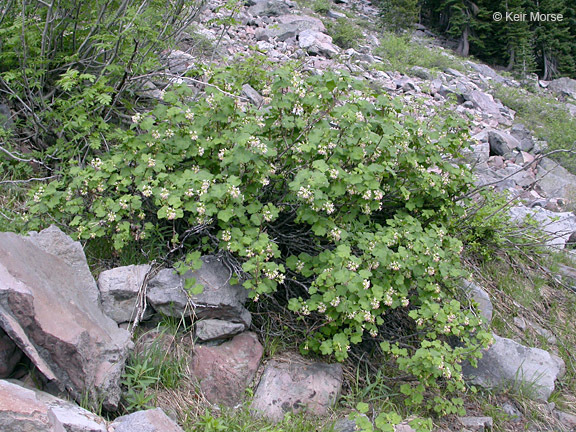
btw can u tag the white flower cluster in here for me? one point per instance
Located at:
(323, 149)
(275, 275)
(96, 163)
(38, 194)
(137, 118)
(254, 143)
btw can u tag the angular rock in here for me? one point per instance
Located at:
(289, 26)
(567, 419)
(50, 413)
(523, 324)
(296, 386)
(224, 371)
(317, 43)
(218, 299)
(47, 310)
(119, 289)
(10, 355)
(6, 121)
(55, 242)
(269, 8)
(479, 424)
(508, 362)
(523, 135)
(481, 297)
(21, 411)
(559, 226)
(563, 87)
(486, 103)
(152, 420)
(213, 329)
(556, 181)
(180, 61)
(501, 143)
(251, 93)
(421, 72)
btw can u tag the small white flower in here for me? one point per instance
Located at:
(171, 214)
(193, 135)
(169, 133)
(156, 134)
(335, 301)
(200, 208)
(189, 115)
(137, 118)
(164, 193)
(151, 162)
(366, 284)
(226, 236)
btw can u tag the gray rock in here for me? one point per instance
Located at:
(558, 226)
(317, 43)
(556, 181)
(49, 412)
(297, 386)
(252, 95)
(567, 419)
(513, 412)
(269, 8)
(501, 143)
(152, 420)
(6, 121)
(523, 135)
(225, 371)
(524, 324)
(47, 310)
(218, 299)
(119, 289)
(421, 72)
(334, 14)
(179, 62)
(487, 105)
(10, 355)
(487, 71)
(55, 242)
(481, 297)
(212, 329)
(479, 424)
(563, 87)
(508, 362)
(289, 26)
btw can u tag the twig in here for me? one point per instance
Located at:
(28, 180)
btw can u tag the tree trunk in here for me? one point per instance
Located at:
(464, 44)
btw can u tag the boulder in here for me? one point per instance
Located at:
(507, 362)
(10, 355)
(213, 329)
(23, 409)
(179, 61)
(487, 105)
(253, 96)
(219, 299)
(501, 143)
(119, 290)
(270, 8)
(523, 135)
(477, 424)
(289, 26)
(6, 121)
(48, 308)
(480, 296)
(556, 181)
(223, 372)
(421, 72)
(559, 226)
(563, 87)
(297, 386)
(152, 420)
(317, 43)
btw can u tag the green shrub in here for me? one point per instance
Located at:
(344, 33)
(322, 6)
(400, 53)
(328, 194)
